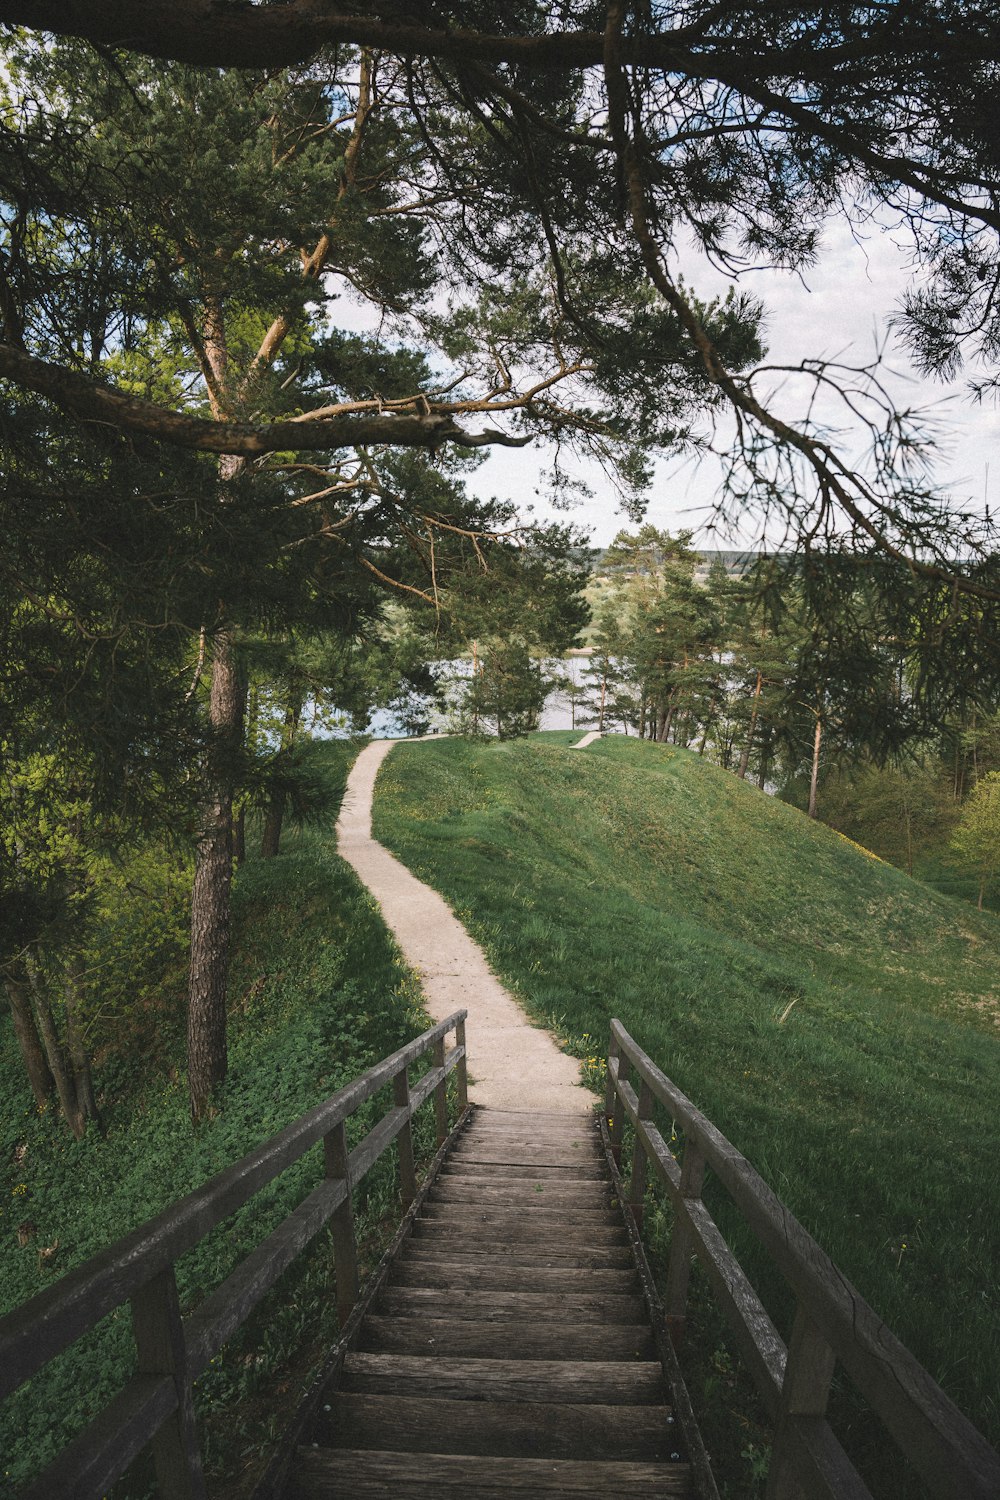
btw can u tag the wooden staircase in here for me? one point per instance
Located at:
(510, 1353)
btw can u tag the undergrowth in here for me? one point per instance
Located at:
(317, 994)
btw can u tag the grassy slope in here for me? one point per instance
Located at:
(317, 994)
(635, 880)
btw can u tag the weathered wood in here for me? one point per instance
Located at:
(703, 1480)
(609, 1383)
(517, 1429)
(580, 1173)
(487, 1190)
(345, 1245)
(404, 1145)
(159, 1342)
(506, 1339)
(273, 1481)
(229, 1306)
(637, 1173)
(574, 1154)
(805, 1392)
(951, 1456)
(682, 1244)
(517, 1206)
(607, 1257)
(379, 1474)
(41, 1328)
(410, 1301)
(512, 1277)
(462, 1081)
(480, 1230)
(93, 1461)
(440, 1093)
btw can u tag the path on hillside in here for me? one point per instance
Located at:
(512, 1064)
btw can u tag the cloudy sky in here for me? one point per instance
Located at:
(839, 312)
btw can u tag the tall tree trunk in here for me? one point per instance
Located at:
(270, 841)
(83, 1078)
(745, 757)
(55, 1054)
(814, 779)
(210, 898)
(38, 1071)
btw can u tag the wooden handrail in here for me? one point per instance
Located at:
(833, 1323)
(156, 1406)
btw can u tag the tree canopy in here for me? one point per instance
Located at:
(581, 145)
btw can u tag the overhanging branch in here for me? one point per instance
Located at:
(85, 399)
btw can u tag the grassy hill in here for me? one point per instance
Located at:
(836, 1019)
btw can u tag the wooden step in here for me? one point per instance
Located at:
(409, 1476)
(448, 1273)
(577, 1173)
(538, 1430)
(480, 1234)
(518, 1190)
(521, 1253)
(607, 1382)
(578, 1153)
(505, 1339)
(513, 1212)
(550, 1307)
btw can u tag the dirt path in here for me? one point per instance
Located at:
(512, 1064)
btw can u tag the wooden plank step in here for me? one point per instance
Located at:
(516, 1190)
(579, 1172)
(538, 1430)
(428, 1248)
(513, 1278)
(560, 1140)
(407, 1476)
(501, 1214)
(607, 1382)
(492, 1339)
(579, 1153)
(523, 1229)
(550, 1307)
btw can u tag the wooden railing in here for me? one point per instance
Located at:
(156, 1407)
(832, 1325)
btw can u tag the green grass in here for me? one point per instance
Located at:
(318, 993)
(836, 1019)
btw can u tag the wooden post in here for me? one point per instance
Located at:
(345, 1245)
(613, 1107)
(407, 1170)
(440, 1095)
(682, 1244)
(805, 1392)
(637, 1175)
(159, 1341)
(462, 1070)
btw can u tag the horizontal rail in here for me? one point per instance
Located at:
(43, 1327)
(175, 1350)
(950, 1454)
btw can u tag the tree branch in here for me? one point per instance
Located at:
(84, 399)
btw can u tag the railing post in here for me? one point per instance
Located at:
(407, 1169)
(637, 1175)
(462, 1070)
(682, 1244)
(440, 1094)
(805, 1392)
(159, 1342)
(345, 1246)
(613, 1109)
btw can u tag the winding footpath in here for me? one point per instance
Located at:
(513, 1065)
